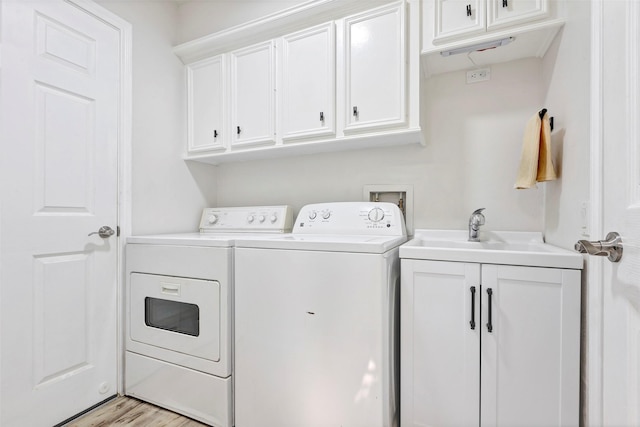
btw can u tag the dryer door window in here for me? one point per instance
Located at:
(180, 317)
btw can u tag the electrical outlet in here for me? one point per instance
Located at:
(478, 75)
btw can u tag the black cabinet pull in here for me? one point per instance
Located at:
(238, 130)
(473, 307)
(355, 111)
(490, 322)
(321, 116)
(215, 133)
(468, 10)
(505, 3)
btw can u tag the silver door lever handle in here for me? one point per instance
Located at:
(611, 247)
(104, 232)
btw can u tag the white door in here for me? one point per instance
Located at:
(58, 172)
(620, 193)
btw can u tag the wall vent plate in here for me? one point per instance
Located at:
(400, 194)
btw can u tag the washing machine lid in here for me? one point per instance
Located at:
(326, 243)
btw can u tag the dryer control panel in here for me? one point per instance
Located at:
(351, 218)
(268, 219)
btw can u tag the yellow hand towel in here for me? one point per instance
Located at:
(535, 161)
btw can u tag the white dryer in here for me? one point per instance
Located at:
(179, 310)
(316, 320)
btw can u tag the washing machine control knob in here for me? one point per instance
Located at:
(250, 219)
(313, 215)
(376, 214)
(212, 219)
(273, 218)
(261, 218)
(326, 214)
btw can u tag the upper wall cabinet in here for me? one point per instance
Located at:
(307, 94)
(375, 69)
(324, 76)
(207, 104)
(252, 95)
(486, 31)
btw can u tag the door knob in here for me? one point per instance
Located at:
(611, 247)
(104, 232)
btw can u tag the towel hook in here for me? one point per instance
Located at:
(542, 113)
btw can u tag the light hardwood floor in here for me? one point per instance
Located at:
(126, 411)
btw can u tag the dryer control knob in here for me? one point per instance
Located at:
(261, 218)
(212, 219)
(250, 219)
(326, 214)
(376, 214)
(313, 215)
(273, 218)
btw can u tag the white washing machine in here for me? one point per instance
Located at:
(316, 320)
(179, 309)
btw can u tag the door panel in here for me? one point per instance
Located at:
(621, 211)
(60, 75)
(375, 58)
(529, 359)
(308, 83)
(459, 17)
(439, 347)
(207, 101)
(253, 95)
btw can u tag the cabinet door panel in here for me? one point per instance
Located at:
(458, 17)
(375, 69)
(205, 81)
(252, 95)
(308, 83)
(530, 359)
(439, 350)
(511, 12)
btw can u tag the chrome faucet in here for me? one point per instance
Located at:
(475, 221)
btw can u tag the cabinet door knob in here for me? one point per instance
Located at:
(489, 315)
(472, 322)
(238, 130)
(321, 116)
(215, 133)
(505, 3)
(355, 111)
(468, 10)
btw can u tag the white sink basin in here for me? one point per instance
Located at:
(507, 247)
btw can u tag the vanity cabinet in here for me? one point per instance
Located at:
(307, 82)
(375, 72)
(253, 95)
(489, 345)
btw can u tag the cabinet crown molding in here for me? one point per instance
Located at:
(295, 18)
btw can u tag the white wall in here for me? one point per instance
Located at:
(473, 133)
(566, 77)
(168, 194)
